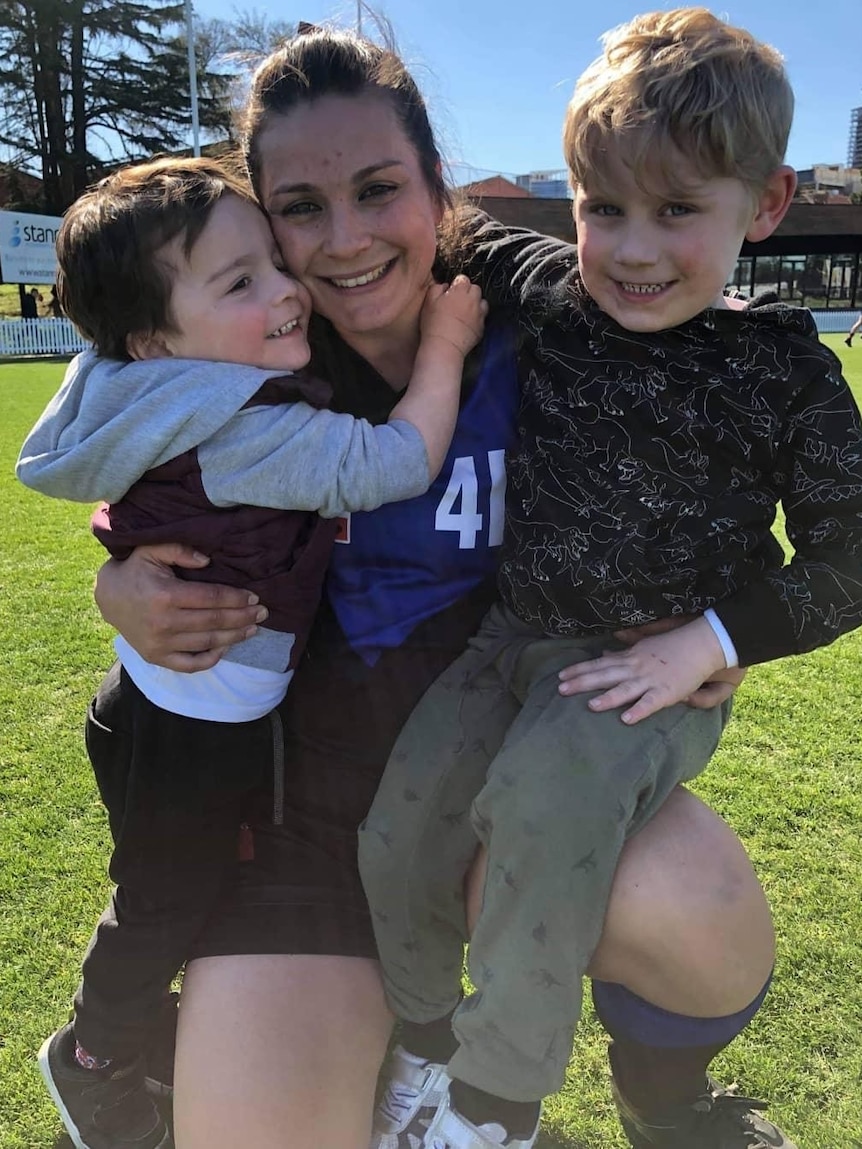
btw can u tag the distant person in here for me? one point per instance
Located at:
(30, 304)
(660, 425)
(168, 267)
(853, 330)
(54, 304)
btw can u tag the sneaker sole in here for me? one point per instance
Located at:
(71, 1128)
(158, 1089)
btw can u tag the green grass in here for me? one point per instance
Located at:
(10, 300)
(786, 777)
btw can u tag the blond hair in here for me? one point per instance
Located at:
(680, 83)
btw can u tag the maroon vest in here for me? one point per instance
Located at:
(280, 555)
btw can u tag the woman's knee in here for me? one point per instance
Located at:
(688, 925)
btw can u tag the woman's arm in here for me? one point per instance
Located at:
(180, 625)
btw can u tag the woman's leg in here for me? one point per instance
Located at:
(681, 967)
(279, 1052)
(688, 926)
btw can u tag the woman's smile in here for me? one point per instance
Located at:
(352, 212)
(362, 278)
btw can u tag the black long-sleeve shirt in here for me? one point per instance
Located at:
(650, 466)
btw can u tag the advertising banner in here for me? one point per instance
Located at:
(27, 247)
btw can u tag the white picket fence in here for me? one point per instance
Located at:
(40, 337)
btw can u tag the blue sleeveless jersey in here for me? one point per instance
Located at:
(395, 567)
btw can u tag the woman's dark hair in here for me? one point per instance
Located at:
(324, 62)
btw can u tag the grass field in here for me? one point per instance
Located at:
(787, 778)
(10, 300)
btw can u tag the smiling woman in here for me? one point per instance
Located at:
(363, 237)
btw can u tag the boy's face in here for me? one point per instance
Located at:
(654, 259)
(231, 299)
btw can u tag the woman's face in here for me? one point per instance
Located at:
(351, 211)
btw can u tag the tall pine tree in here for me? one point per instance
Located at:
(85, 82)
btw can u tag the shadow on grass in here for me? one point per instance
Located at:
(546, 1141)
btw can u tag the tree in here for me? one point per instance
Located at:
(87, 82)
(231, 49)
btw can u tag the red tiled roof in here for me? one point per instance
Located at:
(497, 186)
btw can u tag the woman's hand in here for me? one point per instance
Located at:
(170, 622)
(655, 673)
(717, 689)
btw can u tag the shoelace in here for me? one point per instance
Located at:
(734, 1110)
(397, 1101)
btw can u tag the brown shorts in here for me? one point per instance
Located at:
(297, 888)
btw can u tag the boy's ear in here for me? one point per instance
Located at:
(772, 203)
(147, 345)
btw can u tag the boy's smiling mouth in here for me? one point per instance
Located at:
(643, 288)
(285, 329)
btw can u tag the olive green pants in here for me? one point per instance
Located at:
(494, 754)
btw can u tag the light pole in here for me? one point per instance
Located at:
(358, 17)
(193, 77)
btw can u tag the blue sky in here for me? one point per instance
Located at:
(497, 73)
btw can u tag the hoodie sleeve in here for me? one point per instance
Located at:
(300, 458)
(111, 421)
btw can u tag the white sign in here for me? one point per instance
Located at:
(27, 252)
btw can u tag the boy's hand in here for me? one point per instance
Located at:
(653, 674)
(454, 313)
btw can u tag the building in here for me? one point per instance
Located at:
(546, 185)
(20, 191)
(496, 187)
(854, 148)
(828, 180)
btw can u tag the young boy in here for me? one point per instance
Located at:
(166, 266)
(660, 427)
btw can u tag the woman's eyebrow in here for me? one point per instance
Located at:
(357, 177)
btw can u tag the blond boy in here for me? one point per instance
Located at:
(660, 427)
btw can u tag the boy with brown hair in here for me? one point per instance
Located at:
(661, 424)
(194, 417)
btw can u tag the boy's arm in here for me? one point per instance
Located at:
(817, 595)
(808, 603)
(301, 458)
(452, 322)
(112, 420)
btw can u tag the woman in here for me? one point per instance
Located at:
(284, 1027)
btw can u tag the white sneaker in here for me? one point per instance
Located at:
(449, 1130)
(413, 1094)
